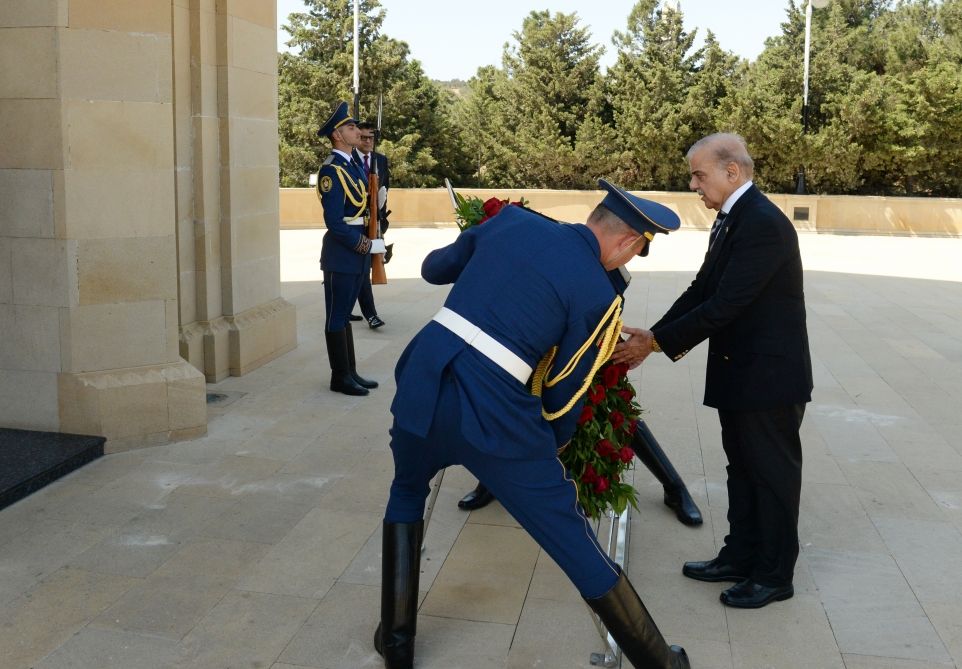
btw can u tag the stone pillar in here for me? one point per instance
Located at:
(88, 252)
(225, 80)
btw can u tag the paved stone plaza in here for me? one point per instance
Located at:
(259, 544)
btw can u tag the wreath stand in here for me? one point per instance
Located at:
(613, 532)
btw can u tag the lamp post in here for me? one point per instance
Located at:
(800, 189)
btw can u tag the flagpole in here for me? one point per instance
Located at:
(357, 77)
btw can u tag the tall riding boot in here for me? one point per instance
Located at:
(626, 618)
(677, 497)
(400, 570)
(341, 379)
(359, 380)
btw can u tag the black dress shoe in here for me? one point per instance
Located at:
(355, 317)
(751, 595)
(476, 499)
(680, 501)
(714, 571)
(374, 322)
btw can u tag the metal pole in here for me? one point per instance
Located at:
(357, 50)
(800, 189)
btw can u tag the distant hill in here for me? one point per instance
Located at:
(456, 86)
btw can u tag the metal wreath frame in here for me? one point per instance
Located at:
(613, 532)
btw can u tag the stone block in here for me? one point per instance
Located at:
(254, 238)
(144, 16)
(31, 134)
(27, 13)
(260, 12)
(252, 142)
(110, 202)
(115, 336)
(203, 36)
(29, 338)
(253, 283)
(110, 65)
(135, 269)
(34, 50)
(28, 400)
(187, 305)
(252, 46)
(261, 334)
(192, 345)
(6, 272)
(40, 272)
(28, 209)
(134, 405)
(250, 94)
(113, 134)
(254, 191)
(217, 342)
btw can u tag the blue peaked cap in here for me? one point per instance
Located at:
(338, 117)
(643, 216)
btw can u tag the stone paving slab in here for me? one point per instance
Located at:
(259, 544)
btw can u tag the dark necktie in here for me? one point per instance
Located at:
(716, 229)
(367, 165)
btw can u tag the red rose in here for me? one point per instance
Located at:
(590, 475)
(616, 419)
(611, 377)
(482, 220)
(626, 454)
(587, 413)
(492, 206)
(615, 478)
(631, 425)
(605, 448)
(597, 394)
(601, 484)
(626, 394)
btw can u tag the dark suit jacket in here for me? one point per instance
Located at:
(380, 161)
(747, 300)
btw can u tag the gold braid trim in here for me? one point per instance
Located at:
(359, 187)
(609, 339)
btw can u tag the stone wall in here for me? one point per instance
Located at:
(138, 207)
(837, 214)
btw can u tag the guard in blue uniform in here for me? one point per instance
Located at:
(495, 382)
(346, 253)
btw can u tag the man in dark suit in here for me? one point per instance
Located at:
(346, 254)
(372, 161)
(747, 300)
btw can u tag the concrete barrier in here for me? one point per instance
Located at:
(830, 214)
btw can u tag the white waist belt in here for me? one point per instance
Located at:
(491, 348)
(355, 221)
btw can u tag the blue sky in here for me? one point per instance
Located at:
(453, 39)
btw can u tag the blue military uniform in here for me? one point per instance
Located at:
(345, 259)
(523, 285)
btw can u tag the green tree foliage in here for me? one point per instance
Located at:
(884, 113)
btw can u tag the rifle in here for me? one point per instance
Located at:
(378, 275)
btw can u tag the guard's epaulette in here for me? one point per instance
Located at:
(328, 161)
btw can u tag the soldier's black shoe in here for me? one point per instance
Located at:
(478, 498)
(677, 498)
(342, 381)
(400, 569)
(352, 362)
(628, 621)
(680, 501)
(374, 322)
(355, 317)
(751, 595)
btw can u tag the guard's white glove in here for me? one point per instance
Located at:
(381, 197)
(377, 246)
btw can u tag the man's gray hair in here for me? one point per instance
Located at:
(608, 221)
(726, 147)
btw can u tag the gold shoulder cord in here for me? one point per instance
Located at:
(609, 338)
(359, 187)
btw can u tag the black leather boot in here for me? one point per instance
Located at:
(400, 570)
(626, 618)
(341, 379)
(358, 379)
(478, 498)
(677, 497)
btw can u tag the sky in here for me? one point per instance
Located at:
(453, 39)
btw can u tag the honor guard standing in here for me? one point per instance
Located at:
(346, 253)
(468, 385)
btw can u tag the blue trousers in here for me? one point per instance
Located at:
(365, 297)
(340, 294)
(539, 494)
